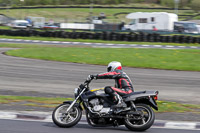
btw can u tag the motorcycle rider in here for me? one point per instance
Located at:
(123, 84)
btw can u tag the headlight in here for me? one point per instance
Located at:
(76, 91)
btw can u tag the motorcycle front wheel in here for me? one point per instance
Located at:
(142, 122)
(65, 120)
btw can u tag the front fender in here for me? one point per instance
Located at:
(76, 104)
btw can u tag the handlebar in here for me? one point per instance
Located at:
(85, 84)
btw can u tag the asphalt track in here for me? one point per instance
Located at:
(13, 126)
(31, 75)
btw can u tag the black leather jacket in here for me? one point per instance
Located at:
(122, 80)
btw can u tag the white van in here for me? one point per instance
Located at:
(149, 20)
(21, 24)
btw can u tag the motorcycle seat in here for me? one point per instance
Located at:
(133, 93)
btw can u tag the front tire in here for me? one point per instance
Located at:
(66, 120)
(142, 122)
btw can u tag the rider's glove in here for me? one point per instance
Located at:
(91, 77)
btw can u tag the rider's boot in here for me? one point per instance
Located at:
(120, 102)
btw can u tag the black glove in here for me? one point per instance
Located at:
(91, 77)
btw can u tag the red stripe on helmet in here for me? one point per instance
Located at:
(119, 67)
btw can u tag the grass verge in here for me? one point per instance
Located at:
(32, 101)
(184, 59)
(45, 102)
(80, 14)
(9, 45)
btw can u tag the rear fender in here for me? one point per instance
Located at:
(146, 97)
(76, 104)
(149, 101)
(153, 103)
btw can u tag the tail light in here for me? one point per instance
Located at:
(156, 97)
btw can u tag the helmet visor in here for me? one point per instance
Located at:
(109, 68)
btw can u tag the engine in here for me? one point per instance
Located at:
(97, 106)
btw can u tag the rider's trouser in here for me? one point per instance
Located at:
(115, 93)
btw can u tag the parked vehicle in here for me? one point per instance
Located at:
(49, 26)
(100, 112)
(21, 24)
(198, 26)
(150, 20)
(78, 26)
(186, 27)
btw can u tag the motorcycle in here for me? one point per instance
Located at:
(101, 112)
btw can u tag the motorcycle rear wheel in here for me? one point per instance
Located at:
(66, 120)
(140, 123)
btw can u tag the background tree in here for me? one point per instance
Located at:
(184, 3)
(195, 5)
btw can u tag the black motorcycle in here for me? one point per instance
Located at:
(100, 112)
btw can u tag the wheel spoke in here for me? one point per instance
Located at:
(70, 117)
(146, 116)
(73, 113)
(64, 119)
(143, 121)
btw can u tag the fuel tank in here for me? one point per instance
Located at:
(94, 93)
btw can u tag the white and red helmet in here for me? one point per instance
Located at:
(114, 65)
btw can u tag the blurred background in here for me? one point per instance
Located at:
(112, 14)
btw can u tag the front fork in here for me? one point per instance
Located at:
(74, 102)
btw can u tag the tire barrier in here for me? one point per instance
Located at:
(111, 36)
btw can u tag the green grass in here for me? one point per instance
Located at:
(79, 14)
(94, 41)
(8, 45)
(38, 100)
(165, 106)
(5, 27)
(188, 59)
(45, 102)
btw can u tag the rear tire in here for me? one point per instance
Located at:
(66, 120)
(145, 121)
